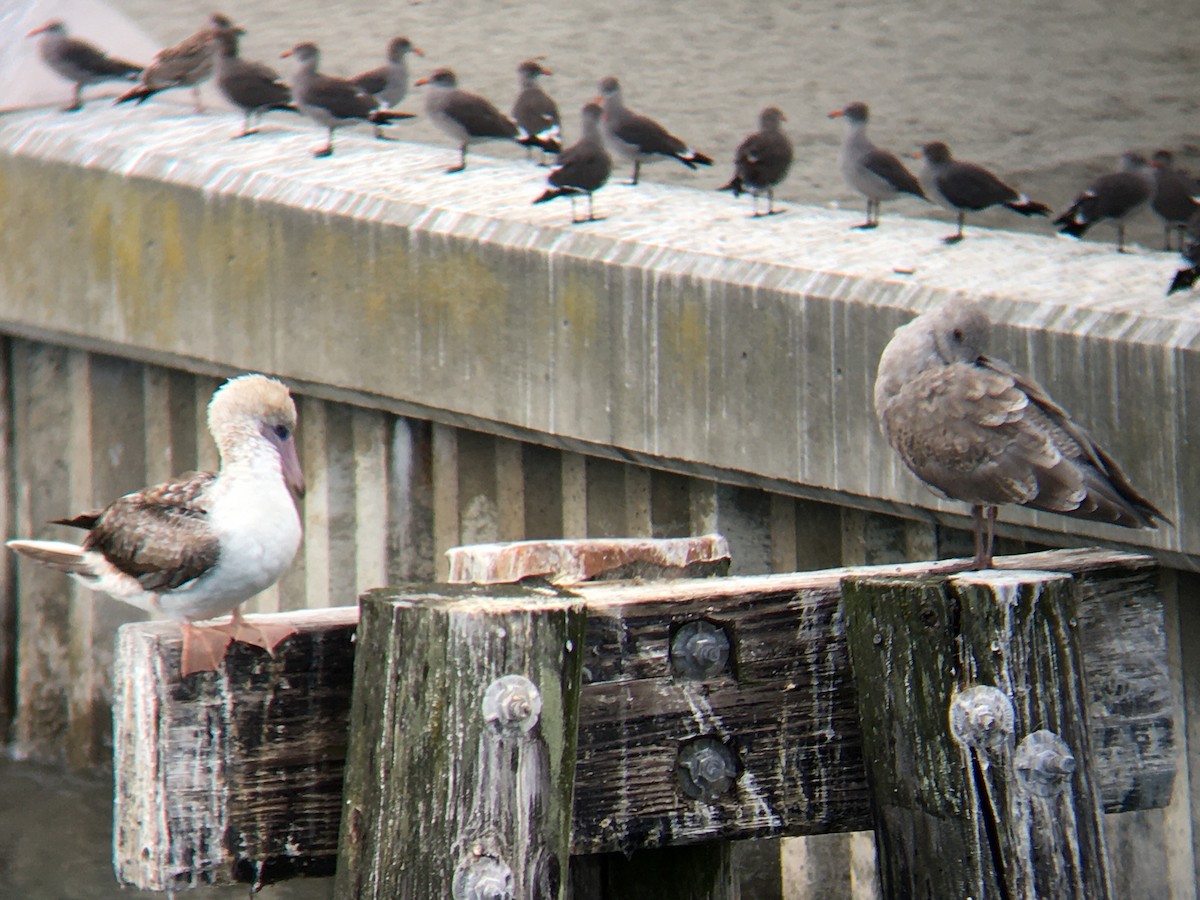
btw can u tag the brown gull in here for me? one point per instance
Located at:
(975, 430)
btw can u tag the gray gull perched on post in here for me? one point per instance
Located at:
(201, 546)
(975, 430)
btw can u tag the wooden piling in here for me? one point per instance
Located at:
(460, 776)
(974, 722)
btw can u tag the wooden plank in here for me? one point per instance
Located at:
(972, 699)
(787, 707)
(231, 776)
(468, 779)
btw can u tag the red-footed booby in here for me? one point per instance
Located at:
(199, 547)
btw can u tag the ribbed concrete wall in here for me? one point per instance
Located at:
(676, 331)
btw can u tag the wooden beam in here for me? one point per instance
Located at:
(233, 776)
(462, 744)
(786, 706)
(974, 717)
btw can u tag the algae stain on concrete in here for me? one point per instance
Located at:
(580, 302)
(459, 292)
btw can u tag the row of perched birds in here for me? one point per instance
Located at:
(761, 161)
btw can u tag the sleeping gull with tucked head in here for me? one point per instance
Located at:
(200, 546)
(975, 430)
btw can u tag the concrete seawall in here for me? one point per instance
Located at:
(677, 332)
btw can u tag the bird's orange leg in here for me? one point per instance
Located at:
(260, 634)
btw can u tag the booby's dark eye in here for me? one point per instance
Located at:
(282, 432)
(958, 335)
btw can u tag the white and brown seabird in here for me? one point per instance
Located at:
(583, 168)
(78, 61)
(535, 110)
(962, 186)
(389, 83)
(1176, 196)
(639, 138)
(875, 173)
(1186, 277)
(975, 430)
(331, 101)
(468, 118)
(252, 86)
(187, 64)
(1116, 196)
(201, 546)
(762, 160)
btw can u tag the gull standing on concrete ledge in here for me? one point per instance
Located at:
(875, 173)
(583, 168)
(962, 186)
(468, 118)
(330, 101)
(975, 430)
(78, 61)
(255, 88)
(1175, 196)
(201, 546)
(762, 160)
(188, 64)
(1116, 196)
(535, 110)
(389, 83)
(639, 138)
(1186, 277)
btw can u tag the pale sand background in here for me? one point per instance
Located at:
(1047, 93)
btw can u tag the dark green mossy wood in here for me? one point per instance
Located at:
(430, 785)
(950, 820)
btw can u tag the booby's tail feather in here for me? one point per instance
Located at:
(69, 558)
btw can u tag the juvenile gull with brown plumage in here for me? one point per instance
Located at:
(187, 64)
(201, 546)
(975, 430)
(762, 160)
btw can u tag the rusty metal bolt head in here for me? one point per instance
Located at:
(512, 704)
(700, 650)
(482, 878)
(981, 717)
(1044, 763)
(706, 768)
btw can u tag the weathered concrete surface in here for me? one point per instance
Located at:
(676, 332)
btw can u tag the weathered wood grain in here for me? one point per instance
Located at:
(954, 814)
(236, 775)
(787, 706)
(459, 780)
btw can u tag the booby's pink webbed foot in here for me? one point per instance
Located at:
(203, 649)
(267, 635)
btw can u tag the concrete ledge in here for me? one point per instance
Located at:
(677, 332)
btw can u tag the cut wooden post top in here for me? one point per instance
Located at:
(575, 561)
